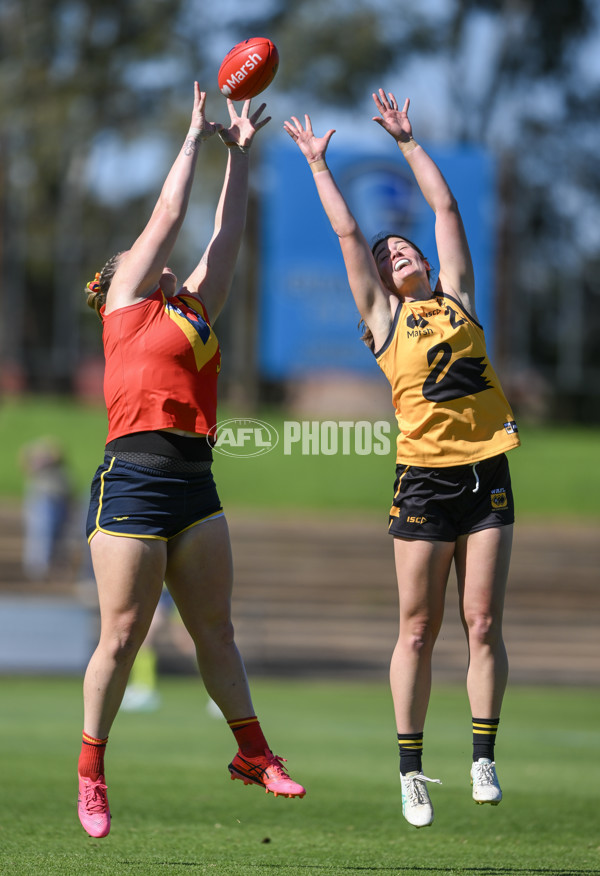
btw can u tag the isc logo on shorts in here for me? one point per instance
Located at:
(412, 519)
(498, 499)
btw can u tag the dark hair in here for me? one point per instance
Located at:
(367, 335)
(384, 235)
(97, 289)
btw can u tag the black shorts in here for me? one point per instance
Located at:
(439, 504)
(140, 502)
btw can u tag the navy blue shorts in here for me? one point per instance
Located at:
(439, 504)
(139, 502)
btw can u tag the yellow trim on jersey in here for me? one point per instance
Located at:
(203, 352)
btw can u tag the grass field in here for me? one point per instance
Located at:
(555, 473)
(176, 812)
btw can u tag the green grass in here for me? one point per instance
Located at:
(555, 473)
(80, 428)
(175, 810)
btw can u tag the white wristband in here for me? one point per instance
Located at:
(198, 134)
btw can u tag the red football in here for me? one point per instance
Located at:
(248, 68)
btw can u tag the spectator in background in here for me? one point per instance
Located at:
(46, 506)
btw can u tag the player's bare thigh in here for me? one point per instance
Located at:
(129, 575)
(422, 569)
(199, 571)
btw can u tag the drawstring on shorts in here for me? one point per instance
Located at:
(476, 487)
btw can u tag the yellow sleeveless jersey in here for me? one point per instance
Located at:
(449, 403)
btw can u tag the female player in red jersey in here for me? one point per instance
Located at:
(452, 496)
(154, 513)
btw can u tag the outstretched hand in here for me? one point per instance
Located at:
(392, 119)
(205, 129)
(243, 127)
(313, 148)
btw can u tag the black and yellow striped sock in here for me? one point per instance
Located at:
(484, 737)
(411, 752)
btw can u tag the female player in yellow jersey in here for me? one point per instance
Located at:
(452, 496)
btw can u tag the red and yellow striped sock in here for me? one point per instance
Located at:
(91, 758)
(249, 735)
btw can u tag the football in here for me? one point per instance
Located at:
(248, 68)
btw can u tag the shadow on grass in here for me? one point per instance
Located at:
(374, 868)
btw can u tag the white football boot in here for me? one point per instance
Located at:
(416, 805)
(486, 787)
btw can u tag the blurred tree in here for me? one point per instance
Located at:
(519, 77)
(82, 81)
(86, 78)
(519, 86)
(68, 71)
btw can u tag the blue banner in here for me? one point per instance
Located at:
(308, 319)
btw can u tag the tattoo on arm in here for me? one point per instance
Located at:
(189, 147)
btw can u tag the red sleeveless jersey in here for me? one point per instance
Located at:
(162, 363)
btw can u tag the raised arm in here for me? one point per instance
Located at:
(370, 296)
(211, 278)
(140, 268)
(456, 267)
